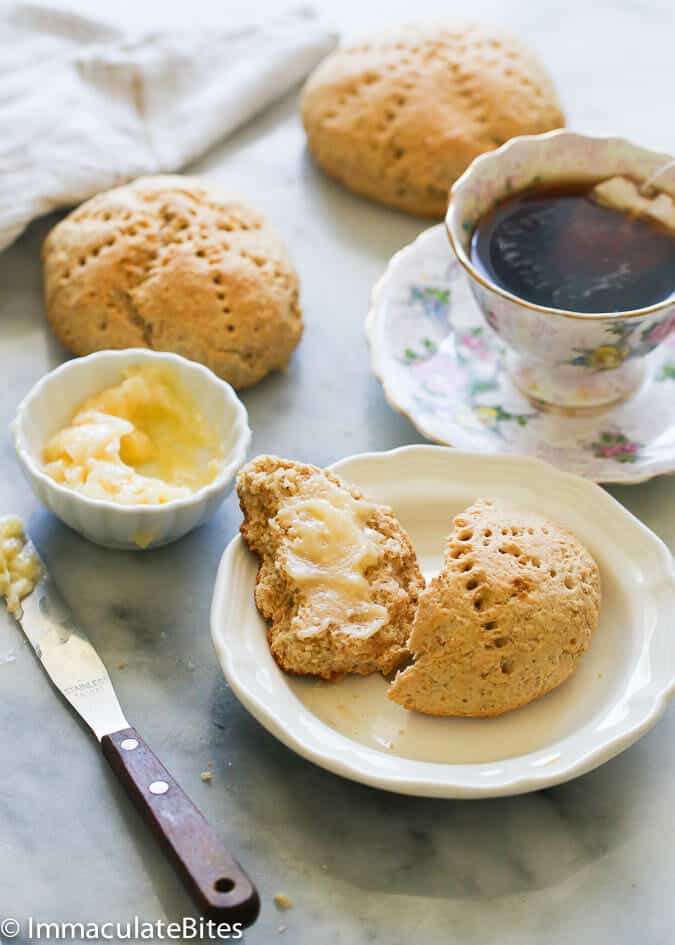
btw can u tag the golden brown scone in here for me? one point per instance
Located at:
(505, 621)
(401, 115)
(175, 264)
(338, 579)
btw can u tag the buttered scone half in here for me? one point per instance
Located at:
(338, 580)
(505, 621)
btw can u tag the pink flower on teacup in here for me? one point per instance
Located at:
(659, 332)
(492, 320)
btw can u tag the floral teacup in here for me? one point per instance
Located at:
(570, 360)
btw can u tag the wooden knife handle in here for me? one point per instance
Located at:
(220, 887)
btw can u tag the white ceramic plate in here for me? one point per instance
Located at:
(349, 727)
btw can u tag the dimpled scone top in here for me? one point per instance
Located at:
(338, 580)
(507, 618)
(400, 116)
(175, 264)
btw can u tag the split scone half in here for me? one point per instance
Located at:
(338, 580)
(505, 621)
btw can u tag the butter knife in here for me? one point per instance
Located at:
(218, 884)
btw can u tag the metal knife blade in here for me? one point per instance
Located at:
(217, 882)
(69, 657)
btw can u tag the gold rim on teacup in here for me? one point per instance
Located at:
(665, 160)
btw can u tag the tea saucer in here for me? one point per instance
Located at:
(443, 367)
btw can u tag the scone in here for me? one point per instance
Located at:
(338, 580)
(176, 264)
(505, 621)
(400, 116)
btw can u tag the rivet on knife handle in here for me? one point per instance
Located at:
(217, 882)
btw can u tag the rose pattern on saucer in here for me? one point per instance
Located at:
(444, 368)
(618, 447)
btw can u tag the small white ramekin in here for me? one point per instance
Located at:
(51, 404)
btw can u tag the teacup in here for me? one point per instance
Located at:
(561, 359)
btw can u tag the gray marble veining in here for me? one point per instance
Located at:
(589, 863)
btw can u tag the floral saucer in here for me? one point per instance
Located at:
(443, 367)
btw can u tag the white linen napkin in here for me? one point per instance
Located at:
(85, 106)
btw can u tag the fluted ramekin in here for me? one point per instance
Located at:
(51, 404)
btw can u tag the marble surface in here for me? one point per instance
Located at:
(586, 863)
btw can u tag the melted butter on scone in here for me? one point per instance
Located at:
(328, 549)
(303, 520)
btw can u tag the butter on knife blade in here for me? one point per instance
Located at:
(19, 563)
(63, 649)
